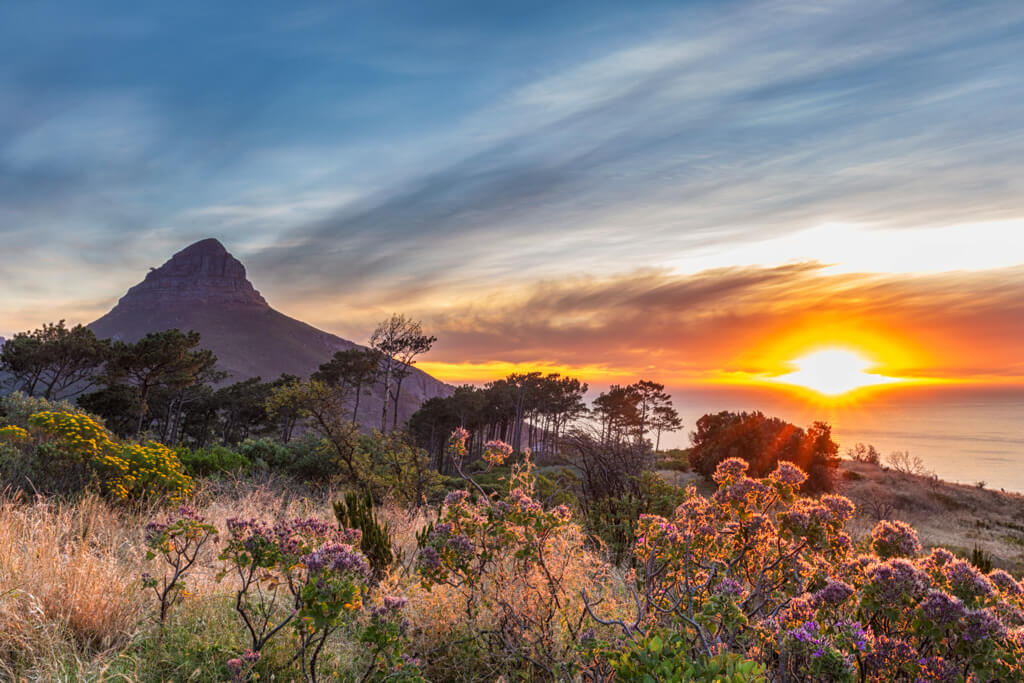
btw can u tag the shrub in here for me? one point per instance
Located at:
(761, 573)
(266, 454)
(514, 566)
(398, 470)
(904, 463)
(356, 512)
(310, 458)
(302, 572)
(178, 540)
(861, 452)
(894, 539)
(126, 470)
(204, 462)
(675, 459)
(664, 657)
(17, 408)
(614, 519)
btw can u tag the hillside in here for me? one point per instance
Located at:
(204, 288)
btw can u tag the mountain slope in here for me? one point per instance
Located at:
(204, 288)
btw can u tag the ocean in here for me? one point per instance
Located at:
(963, 435)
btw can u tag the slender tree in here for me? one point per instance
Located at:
(354, 368)
(666, 419)
(398, 340)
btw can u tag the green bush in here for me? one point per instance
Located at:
(356, 512)
(311, 459)
(664, 657)
(266, 454)
(204, 462)
(17, 408)
(675, 459)
(614, 519)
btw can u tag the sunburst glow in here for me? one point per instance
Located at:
(833, 372)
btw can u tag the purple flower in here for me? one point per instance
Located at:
(443, 529)
(897, 581)
(967, 582)
(456, 497)
(834, 593)
(741, 490)
(395, 602)
(460, 544)
(894, 539)
(942, 608)
(730, 469)
(982, 624)
(841, 508)
(1006, 583)
(428, 559)
(154, 530)
(789, 474)
(337, 557)
(730, 588)
(889, 655)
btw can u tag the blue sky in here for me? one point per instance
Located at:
(442, 158)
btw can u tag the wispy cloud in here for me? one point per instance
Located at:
(441, 160)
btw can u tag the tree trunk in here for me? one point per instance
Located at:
(398, 391)
(355, 411)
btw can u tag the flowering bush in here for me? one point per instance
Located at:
(386, 635)
(178, 540)
(894, 539)
(301, 572)
(13, 434)
(127, 470)
(510, 561)
(758, 572)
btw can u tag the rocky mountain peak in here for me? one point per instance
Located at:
(201, 273)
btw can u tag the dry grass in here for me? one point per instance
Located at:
(70, 594)
(62, 583)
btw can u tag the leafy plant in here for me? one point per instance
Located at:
(178, 540)
(664, 657)
(301, 572)
(356, 512)
(203, 462)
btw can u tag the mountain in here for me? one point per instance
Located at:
(204, 288)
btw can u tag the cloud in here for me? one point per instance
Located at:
(439, 161)
(716, 134)
(751, 320)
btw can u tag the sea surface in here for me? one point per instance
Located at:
(963, 435)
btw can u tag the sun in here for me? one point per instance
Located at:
(833, 372)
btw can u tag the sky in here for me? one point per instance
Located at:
(692, 192)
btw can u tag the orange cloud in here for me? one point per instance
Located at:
(723, 325)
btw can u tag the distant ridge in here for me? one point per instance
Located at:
(204, 288)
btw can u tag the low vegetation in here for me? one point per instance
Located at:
(311, 550)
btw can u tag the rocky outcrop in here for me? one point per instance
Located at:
(203, 274)
(204, 288)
